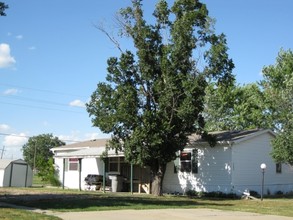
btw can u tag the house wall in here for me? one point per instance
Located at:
(88, 166)
(214, 173)
(247, 158)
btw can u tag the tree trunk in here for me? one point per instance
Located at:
(158, 173)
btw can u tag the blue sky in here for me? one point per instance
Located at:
(52, 57)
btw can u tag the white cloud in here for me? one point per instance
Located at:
(4, 127)
(19, 37)
(77, 103)
(11, 92)
(32, 48)
(96, 135)
(15, 140)
(6, 59)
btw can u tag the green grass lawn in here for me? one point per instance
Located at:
(16, 214)
(70, 201)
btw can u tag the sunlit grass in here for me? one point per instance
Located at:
(72, 200)
(17, 214)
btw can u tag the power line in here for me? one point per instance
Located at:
(25, 136)
(42, 90)
(38, 107)
(21, 98)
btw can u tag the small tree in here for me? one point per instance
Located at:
(153, 100)
(37, 154)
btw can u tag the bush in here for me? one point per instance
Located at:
(191, 193)
(217, 194)
(279, 193)
(54, 181)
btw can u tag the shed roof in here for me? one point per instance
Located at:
(5, 162)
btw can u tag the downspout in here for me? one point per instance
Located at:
(63, 174)
(104, 175)
(230, 144)
(131, 178)
(79, 171)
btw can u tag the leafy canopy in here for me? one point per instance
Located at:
(36, 152)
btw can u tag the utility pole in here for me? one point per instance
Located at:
(2, 153)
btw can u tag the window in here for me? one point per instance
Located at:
(189, 161)
(278, 167)
(73, 164)
(113, 164)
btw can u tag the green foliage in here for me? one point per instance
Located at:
(154, 99)
(3, 7)
(216, 194)
(278, 89)
(236, 108)
(36, 152)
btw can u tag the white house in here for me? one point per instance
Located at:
(233, 165)
(15, 173)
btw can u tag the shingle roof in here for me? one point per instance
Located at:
(231, 136)
(83, 144)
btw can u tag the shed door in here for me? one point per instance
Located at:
(18, 175)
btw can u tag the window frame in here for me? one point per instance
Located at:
(188, 160)
(72, 164)
(278, 168)
(114, 161)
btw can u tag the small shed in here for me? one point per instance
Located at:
(15, 173)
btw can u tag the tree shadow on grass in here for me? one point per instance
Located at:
(108, 201)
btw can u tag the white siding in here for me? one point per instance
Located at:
(1, 178)
(247, 158)
(88, 166)
(214, 173)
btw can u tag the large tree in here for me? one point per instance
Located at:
(36, 152)
(278, 89)
(3, 7)
(153, 100)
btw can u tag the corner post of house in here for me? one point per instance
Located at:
(63, 174)
(131, 178)
(79, 172)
